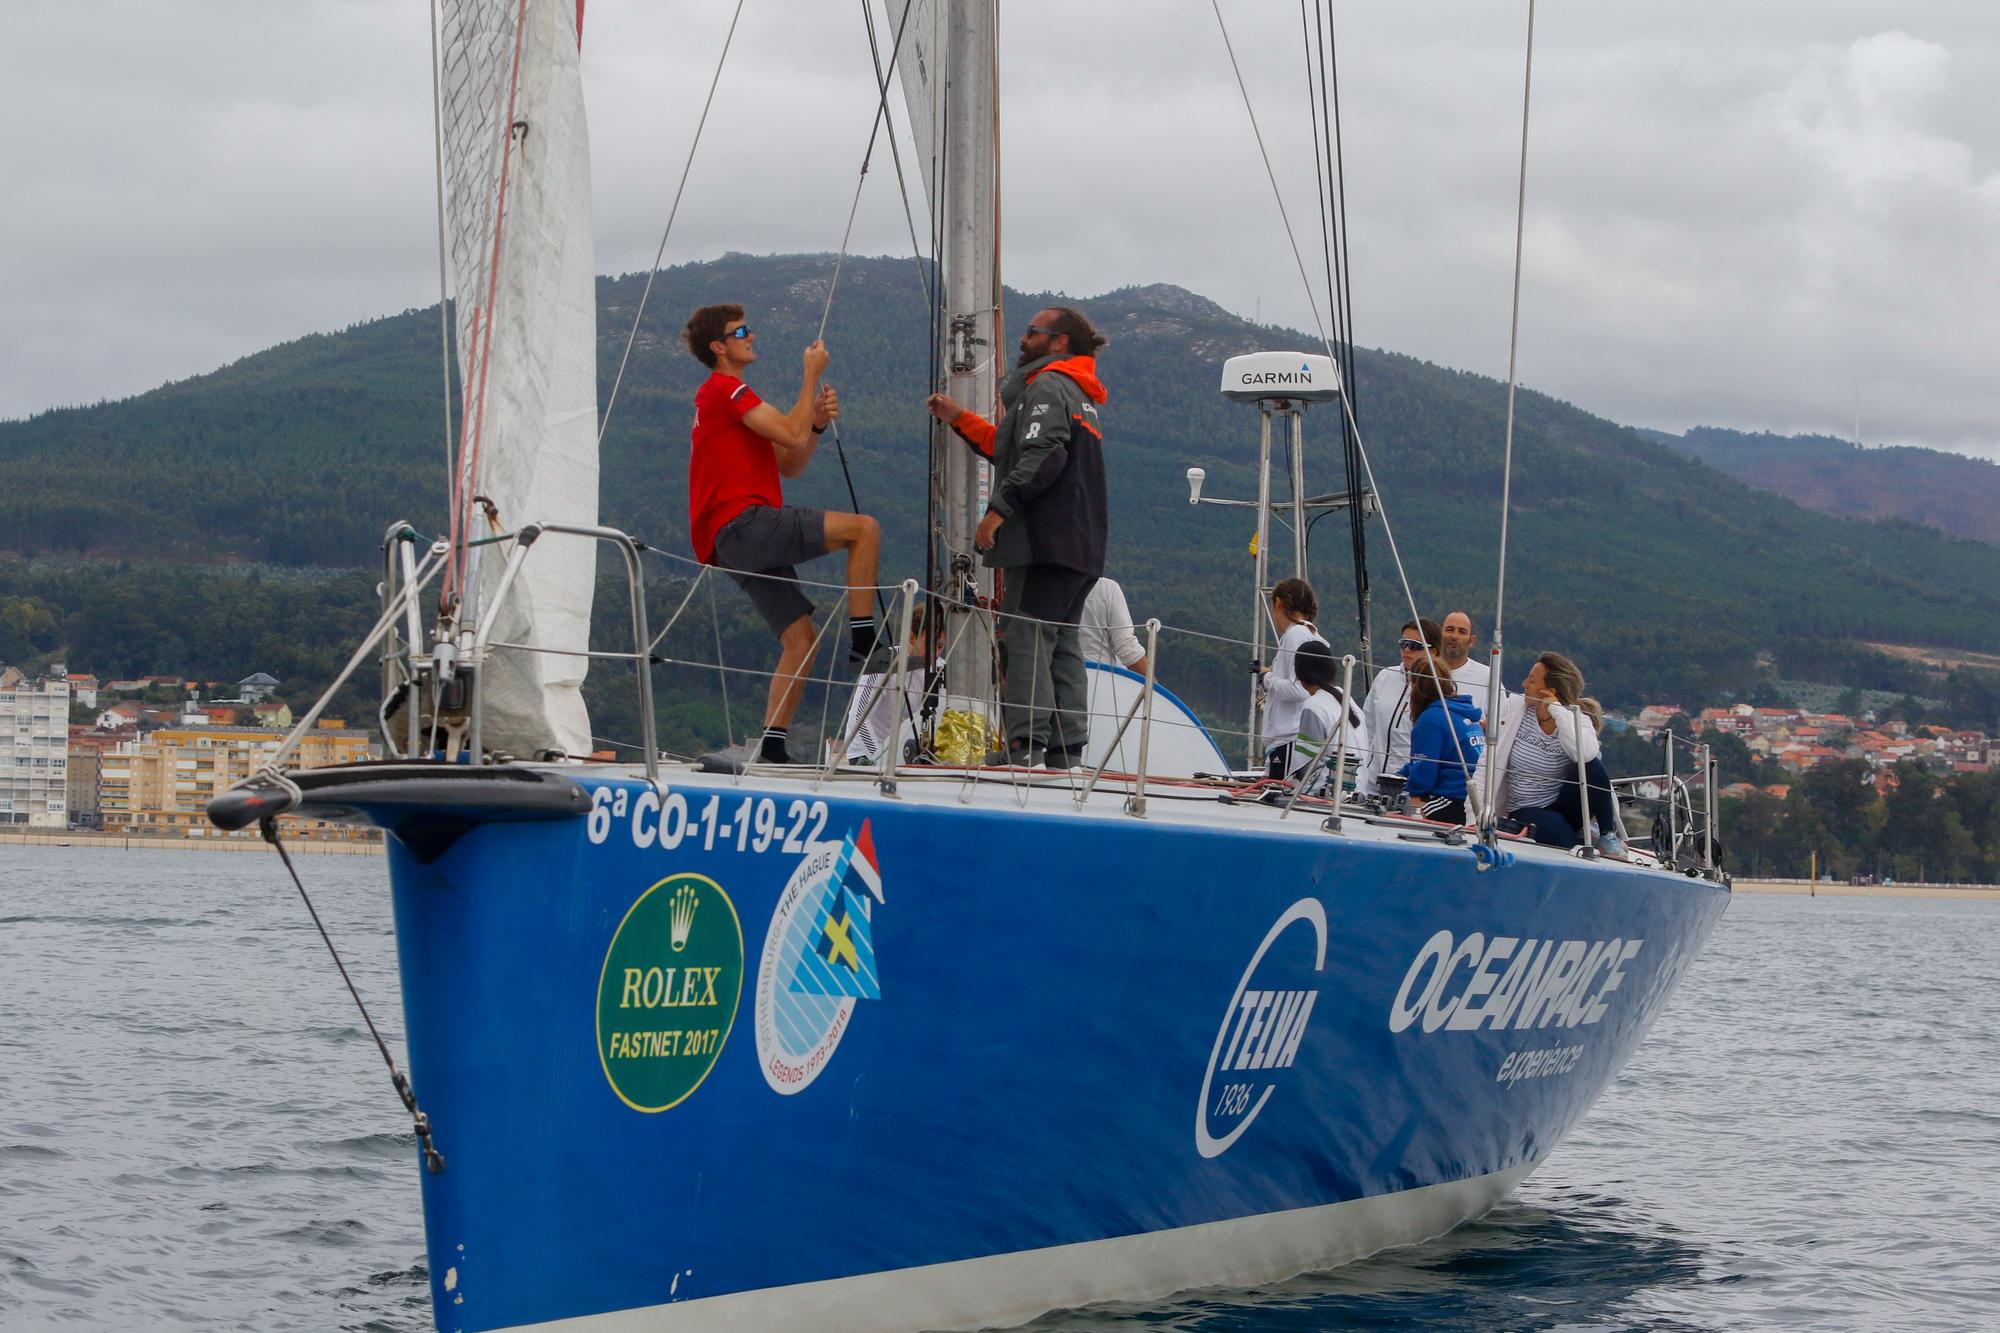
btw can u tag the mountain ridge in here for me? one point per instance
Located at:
(1954, 493)
(1663, 574)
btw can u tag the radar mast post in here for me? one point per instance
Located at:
(1281, 385)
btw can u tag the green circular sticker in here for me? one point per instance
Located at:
(667, 997)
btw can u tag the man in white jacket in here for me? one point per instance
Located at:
(1387, 711)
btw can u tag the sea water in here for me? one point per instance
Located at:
(196, 1128)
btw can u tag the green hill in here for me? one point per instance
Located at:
(1660, 574)
(1949, 492)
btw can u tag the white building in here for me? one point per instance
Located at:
(34, 751)
(83, 687)
(256, 688)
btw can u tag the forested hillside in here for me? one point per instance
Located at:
(1661, 575)
(1949, 492)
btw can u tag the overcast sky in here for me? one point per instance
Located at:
(1767, 216)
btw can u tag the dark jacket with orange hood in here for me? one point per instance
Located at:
(1048, 466)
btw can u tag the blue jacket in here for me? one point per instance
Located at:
(1434, 768)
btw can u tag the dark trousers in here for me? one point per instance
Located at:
(1441, 809)
(1556, 824)
(1278, 761)
(1045, 699)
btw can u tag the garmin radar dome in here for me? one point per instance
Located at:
(1305, 377)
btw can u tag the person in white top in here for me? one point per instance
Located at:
(1293, 606)
(876, 692)
(1317, 751)
(1105, 628)
(1547, 733)
(1388, 708)
(1455, 650)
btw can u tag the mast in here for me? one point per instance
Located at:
(973, 336)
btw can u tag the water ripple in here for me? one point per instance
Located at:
(1806, 1141)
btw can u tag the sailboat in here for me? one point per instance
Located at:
(910, 1047)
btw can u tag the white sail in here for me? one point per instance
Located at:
(920, 66)
(518, 173)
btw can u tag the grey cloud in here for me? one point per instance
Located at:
(1742, 215)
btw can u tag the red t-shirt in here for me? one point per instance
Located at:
(731, 466)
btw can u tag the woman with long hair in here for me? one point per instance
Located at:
(1546, 734)
(1446, 742)
(1293, 606)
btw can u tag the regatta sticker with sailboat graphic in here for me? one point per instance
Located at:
(818, 961)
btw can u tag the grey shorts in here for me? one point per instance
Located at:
(760, 548)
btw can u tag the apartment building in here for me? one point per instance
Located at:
(159, 784)
(34, 750)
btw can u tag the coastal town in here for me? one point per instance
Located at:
(143, 756)
(1799, 739)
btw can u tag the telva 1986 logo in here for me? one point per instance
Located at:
(1262, 1027)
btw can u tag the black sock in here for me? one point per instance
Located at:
(773, 750)
(863, 628)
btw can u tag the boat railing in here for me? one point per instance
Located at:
(400, 592)
(1681, 799)
(1135, 726)
(406, 664)
(680, 643)
(1678, 807)
(525, 542)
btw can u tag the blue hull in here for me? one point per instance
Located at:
(670, 1070)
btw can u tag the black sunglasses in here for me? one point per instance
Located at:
(1046, 333)
(1412, 645)
(738, 333)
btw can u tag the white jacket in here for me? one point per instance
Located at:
(1387, 714)
(1105, 627)
(1283, 695)
(1574, 729)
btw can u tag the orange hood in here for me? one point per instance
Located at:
(1081, 369)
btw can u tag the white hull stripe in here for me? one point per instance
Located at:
(1007, 1289)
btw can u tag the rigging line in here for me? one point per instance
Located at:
(874, 130)
(444, 293)
(1507, 463)
(722, 676)
(1395, 554)
(1315, 113)
(1347, 407)
(659, 254)
(433, 1159)
(1330, 64)
(1271, 172)
(937, 555)
(1358, 517)
(896, 156)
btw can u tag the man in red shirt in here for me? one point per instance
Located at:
(737, 513)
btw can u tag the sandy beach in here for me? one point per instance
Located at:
(1831, 889)
(294, 843)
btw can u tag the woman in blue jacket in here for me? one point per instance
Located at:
(1446, 741)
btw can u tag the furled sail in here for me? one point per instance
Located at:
(517, 159)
